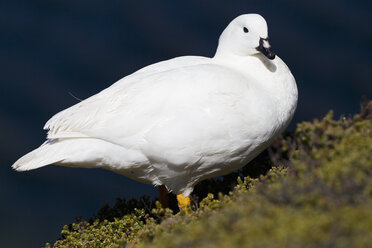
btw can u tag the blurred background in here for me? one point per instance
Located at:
(50, 50)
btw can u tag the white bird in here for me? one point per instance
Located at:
(180, 121)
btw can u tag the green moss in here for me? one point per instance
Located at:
(103, 233)
(318, 194)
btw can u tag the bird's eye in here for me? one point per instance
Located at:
(245, 30)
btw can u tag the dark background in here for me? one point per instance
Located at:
(49, 49)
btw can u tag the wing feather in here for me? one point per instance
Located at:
(93, 112)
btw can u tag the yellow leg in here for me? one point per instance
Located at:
(183, 203)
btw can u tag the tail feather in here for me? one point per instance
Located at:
(80, 152)
(42, 156)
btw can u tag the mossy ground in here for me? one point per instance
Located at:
(312, 188)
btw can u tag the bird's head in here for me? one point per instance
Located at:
(246, 35)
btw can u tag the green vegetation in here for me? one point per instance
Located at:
(312, 188)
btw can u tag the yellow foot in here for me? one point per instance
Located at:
(184, 203)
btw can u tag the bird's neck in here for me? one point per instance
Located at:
(264, 75)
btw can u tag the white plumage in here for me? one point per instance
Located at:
(179, 121)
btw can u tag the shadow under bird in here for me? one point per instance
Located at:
(179, 121)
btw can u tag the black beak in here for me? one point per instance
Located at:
(265, 48)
